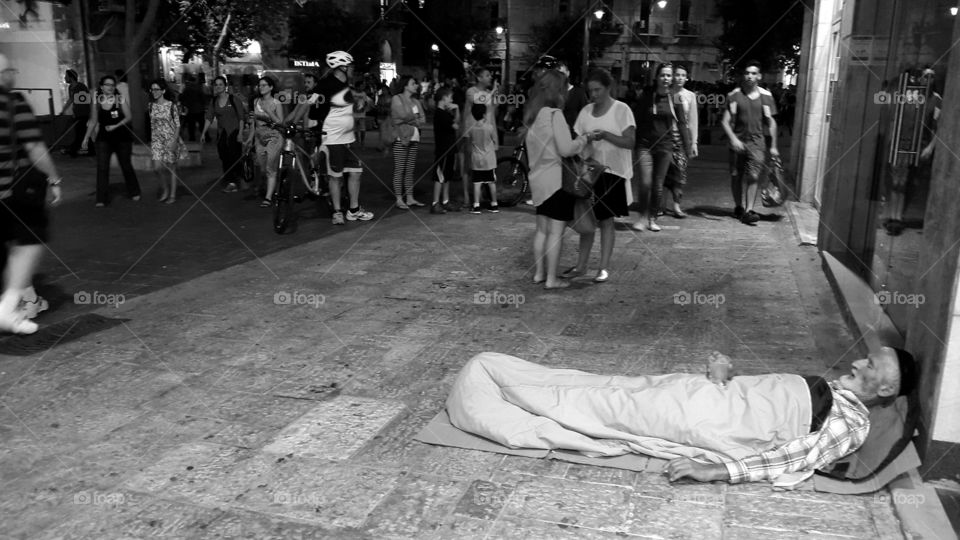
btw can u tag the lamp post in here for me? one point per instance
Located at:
(503, 30)
(598, 13)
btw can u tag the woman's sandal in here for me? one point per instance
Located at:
(570, 273)
(266, 203)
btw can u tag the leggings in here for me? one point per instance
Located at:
(404, 159)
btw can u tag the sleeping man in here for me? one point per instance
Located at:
(755, 428)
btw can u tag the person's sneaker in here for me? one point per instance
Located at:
(738, 212)
(437, 208)
(231, 188)
(476, 209)
(31, 309)
(359, 215)
(450, 207)
(494, 209)
(750, 218)
(338, 218)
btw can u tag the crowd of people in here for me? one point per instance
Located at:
(637, 146)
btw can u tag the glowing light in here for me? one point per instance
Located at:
(953, 11)
(253, 47)
(598, 14)
(662, 4)
(435, 48)
(469, 47)
(499, 30)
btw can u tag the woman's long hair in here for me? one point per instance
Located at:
(550, 90)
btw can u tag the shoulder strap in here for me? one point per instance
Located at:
(12, 111)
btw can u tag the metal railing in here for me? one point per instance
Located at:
(646, 28)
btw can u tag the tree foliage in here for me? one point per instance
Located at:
(766, 30)
(202, 25)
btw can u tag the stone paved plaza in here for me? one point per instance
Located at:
(279, 397)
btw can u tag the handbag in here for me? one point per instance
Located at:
(773, 195)
(584, 221)
(580, 175)
(29, 188)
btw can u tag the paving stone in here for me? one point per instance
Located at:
(529, 528)
(332, 496)
(394, 444)
(484, 499)
(241, 435)
(197, 472)
(457, 526)
(455, 462)
(594, 506)
(796, 515)
(269, 411)
(651, 516)
(240, 524)
(335, 429)
(415, 508)
(601, 475)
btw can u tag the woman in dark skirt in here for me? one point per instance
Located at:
(548, 140)
(609, 127)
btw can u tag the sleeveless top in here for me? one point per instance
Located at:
(110, 117)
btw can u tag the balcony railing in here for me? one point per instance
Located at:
(644, 28)
(608, 28)
(686, 29)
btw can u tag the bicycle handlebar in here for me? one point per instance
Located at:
(289, 130)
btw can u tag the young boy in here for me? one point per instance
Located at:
(445, 126)
(483, 157)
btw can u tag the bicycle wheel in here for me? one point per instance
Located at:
(512, 182)
(283, 203)
(247, 169)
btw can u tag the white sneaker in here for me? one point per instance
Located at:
(16, 323)
(31, 309)
(359, 215)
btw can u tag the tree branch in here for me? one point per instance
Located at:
(223, 35)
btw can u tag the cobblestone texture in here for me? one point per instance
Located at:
(214, 412)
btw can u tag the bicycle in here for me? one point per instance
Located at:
(513, 183)
(283, 196)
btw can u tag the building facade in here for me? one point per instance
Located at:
(876, 157)
(630, 38)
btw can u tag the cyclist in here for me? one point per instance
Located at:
(334, 113)
(306, 110)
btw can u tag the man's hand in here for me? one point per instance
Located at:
(926, 153)
(737, 145)
(694, 151)
(702, 472)
(56, 194)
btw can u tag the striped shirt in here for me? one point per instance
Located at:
(28, 130)
(842, 433)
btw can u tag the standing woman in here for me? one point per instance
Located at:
(227, 110)
(548, 139)
(407, 115)
(165, 142)
(268, 139)
(609, 128)
(111, 128)
(657, 118)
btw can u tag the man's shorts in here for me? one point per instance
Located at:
(341, 159)
(481, 177)
(748, 163)
(26, 226)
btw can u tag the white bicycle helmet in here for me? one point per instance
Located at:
(339, 59)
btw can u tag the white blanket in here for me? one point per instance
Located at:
(523, 405)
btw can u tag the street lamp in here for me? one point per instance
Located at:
(469, 47)
(953, 11)
(662, 4)
(598, 13)
(435, 48)
(499, 30)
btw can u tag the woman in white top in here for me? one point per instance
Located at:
(609, 126)
(407, 115)
(548, 139)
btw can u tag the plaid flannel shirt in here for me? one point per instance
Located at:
(842, 433)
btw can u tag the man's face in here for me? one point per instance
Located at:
(751, 76)
(680, 77)
(484, 78)
(310, 82)
(874, 376)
